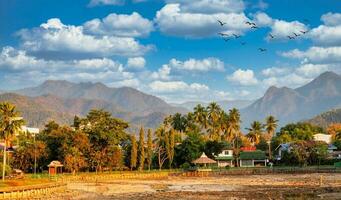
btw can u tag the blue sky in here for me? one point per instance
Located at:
(170, 48)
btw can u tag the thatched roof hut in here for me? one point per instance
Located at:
(204, 160)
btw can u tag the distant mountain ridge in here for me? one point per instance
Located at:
(326, 118)
(61, 100)
(291, 105)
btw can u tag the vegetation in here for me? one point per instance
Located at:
(99, 142)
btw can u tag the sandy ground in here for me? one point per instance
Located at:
(280, 186)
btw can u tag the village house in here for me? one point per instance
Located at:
(225, 158)
(255, 158)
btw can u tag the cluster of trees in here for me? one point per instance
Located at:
(100, 142)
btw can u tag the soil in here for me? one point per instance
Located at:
(274, 186)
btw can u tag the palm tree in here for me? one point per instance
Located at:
(10, 123)
(255, 132)
(233, 124)
(270, 127)
(214, 113)
(200, 116)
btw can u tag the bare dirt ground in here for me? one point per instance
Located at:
(275, 186)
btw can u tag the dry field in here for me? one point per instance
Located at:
(283, 186)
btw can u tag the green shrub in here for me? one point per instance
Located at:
(8, 170)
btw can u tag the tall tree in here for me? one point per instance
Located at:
(170, 144)
(10, 124)
(270, 127)
(149, 149)
(141, 150)
(255, 132)
(133, 153)
(161, 146)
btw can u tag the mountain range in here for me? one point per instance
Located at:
(62, 100)
(291, 105)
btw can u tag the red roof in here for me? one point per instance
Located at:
(248, 148)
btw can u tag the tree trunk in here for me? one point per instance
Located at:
(4, 162)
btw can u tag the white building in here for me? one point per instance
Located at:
(323, 137)
(225, 158)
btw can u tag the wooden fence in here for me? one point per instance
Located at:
(32, 192)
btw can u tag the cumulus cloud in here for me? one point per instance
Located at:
(105, 2)
(243, 77)
(16, 63)
(173, 20)
(275, 71)
(204, 65)
(282, 29)
(133, 25)
(316, 54)
(175, 86)
(294, 76)
(56, 37)
(210, 6)
(162, 73)
(331, 19)
(136, 63)
(262, 19)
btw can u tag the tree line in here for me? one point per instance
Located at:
(100, 142)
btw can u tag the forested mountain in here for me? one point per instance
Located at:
(327, 118)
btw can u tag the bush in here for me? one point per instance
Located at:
(185, 166)
(8, 170)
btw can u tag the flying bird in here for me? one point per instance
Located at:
(304, 32)
(296, 35)
(236, 36)
(223, 34)
(254, 26)
(290, 37)
(250, 23)
(262, 49)
(221, 23)
(271, 36)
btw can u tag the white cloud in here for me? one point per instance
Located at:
(56, 37)
(106, 2)
(18, 65)
(133, 25)
(316, 54)
(262, 19)
(243, 77)
(331, 19)
(210, 6)
(136, 63)
(175, 86)
(275, 71)
(204, 65)
(326, 35)
(172, 20)
(282, 29)
(163, 73)
(311, 70)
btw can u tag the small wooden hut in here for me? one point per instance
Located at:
(55, 167)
